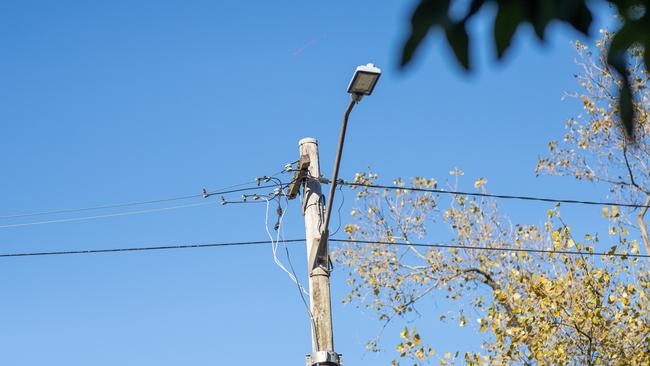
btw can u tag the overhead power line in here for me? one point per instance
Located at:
(352, 241)
(227, 190)
(117, 205)
(129, 213)
(141, 249)
(498, 249)
(489, 195)
(224, 190)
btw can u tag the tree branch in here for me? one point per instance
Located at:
(629, 171)
(642, 225)
(487, 279)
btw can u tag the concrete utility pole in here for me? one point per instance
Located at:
(317, 258)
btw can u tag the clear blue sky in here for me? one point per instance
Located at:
(107, 102)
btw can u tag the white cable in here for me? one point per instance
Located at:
(275, 243)
(281, 232)
(291, 275)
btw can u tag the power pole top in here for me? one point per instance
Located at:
(308, 140)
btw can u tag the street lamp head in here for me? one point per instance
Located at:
(364, 80)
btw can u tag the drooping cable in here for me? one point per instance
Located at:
(274, 245)
(301, 289)
(340, 219)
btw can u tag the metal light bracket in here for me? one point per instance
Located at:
(319, 259)
(324, 358)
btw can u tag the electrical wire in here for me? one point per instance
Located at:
(498, 249)
(254, 188)
(223, 190)
(129, 213)
(339, 212)
(118, 205)
(140, 249)
(353, 241)
(301, 290)
(489, 195)
(274, 246)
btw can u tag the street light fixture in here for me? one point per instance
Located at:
(363, 83)
(364, 80)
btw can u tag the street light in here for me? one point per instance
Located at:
(364, 80)
(363, 83)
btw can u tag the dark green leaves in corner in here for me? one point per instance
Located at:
(435, 14)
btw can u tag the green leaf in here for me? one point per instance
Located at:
(459, 42)
(509, 15)
(427, 15)
(580, 18)
(473, 9)
(539, 15)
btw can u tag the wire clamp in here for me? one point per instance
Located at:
(324, 358)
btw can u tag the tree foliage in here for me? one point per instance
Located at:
(527, 308)
(592, 148)
(511, 14)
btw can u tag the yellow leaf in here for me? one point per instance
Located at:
(416, 340)
(480, 183)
